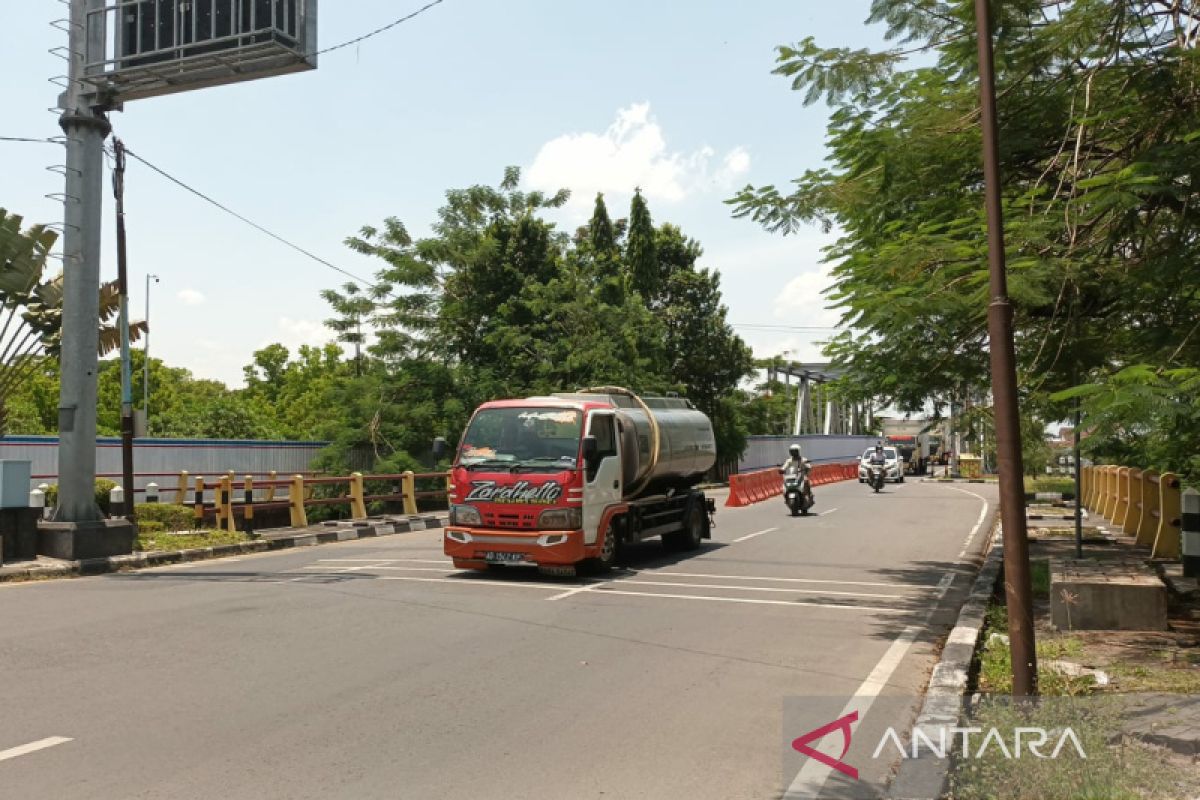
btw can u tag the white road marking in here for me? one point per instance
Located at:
(33, 747)
(577, 590)
(386, 560)
(924, 586)
(826, 513)
(752, 535)
(979, 523)
(812, 776)
(469, 582)
(801, 603)
(762, 589)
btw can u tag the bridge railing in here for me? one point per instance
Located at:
(1141, 503)
(246, 497)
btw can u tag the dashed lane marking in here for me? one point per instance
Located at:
(33, 747)
(752, 535)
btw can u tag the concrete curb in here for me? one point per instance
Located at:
(926, 777)
(269, 541)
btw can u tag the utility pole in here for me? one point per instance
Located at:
(86, 128)
(1017, 585)
(123, 324)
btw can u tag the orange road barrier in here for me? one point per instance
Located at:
(747, 488)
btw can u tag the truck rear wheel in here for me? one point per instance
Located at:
(693, 531)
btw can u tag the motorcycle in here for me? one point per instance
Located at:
(875, 476)
(797, 492)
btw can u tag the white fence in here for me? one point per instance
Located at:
(771, 451)
(161, 460)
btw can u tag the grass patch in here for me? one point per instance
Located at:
(1039, 572)
(1112, 769)
(995, 660)
(149, 542)
(1154, 678)
(1064, 486)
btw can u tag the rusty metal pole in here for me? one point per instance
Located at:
(1017, 585)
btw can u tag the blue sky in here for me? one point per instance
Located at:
(675, 97)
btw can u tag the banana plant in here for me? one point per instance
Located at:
(31, 306)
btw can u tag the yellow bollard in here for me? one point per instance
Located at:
(1085, 475)
(248, 503)
(272, 476)
(296, 498)
(408, 485)
(1148, 524)
(1170, 518)
(181, 492)
(358, 503)
(1122, 508)
(227, 503)
(1110, 494)
(1133, 516)
(198, 502)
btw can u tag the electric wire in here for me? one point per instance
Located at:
(377, 31)
(162, 172)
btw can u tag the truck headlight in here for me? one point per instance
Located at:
(561, 518)
(465, 515)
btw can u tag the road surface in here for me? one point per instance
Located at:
(372, 669)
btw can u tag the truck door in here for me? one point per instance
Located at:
(601, 488)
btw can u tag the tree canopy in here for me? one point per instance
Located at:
(1099, 115)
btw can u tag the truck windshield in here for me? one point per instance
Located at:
(522, 437)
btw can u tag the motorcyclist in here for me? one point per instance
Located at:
(878, 457)
(796, 461)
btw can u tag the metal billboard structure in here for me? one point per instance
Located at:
(121, 50)
(147, 48)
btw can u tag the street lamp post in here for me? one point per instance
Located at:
(146, 357)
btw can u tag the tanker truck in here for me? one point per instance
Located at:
(564, 482)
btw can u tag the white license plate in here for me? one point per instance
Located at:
(500, 557)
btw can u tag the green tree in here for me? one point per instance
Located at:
(641, 257)
(1099, 108)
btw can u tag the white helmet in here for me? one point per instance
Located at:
(794, 451)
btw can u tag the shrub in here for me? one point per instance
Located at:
(151, 526)
(103, 487)
(172, 517)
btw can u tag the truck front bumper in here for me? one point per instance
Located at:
(476, 548)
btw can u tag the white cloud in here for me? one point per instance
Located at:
(190, 297)
(631, 152)
(803, 302)
(294, 332)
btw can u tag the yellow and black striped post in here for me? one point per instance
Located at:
(199, 502)
(248, 504)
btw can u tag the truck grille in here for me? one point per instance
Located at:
(510, 520)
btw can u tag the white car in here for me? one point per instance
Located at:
(893, 469)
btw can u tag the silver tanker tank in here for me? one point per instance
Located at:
(665, 441)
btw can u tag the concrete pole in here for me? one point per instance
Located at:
(85, 130)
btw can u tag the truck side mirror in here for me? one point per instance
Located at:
(439, 448)
(590, 450)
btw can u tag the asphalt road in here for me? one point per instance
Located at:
(371, 669)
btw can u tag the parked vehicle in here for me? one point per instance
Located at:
(893, 468)
(564, 482)
(797, 492)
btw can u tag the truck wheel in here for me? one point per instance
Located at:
(691, 535)
(610, 555)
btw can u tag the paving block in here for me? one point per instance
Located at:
(1088, 594)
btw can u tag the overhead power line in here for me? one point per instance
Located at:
(248, 221)
(27, 139)
(379, 30)
(782, 327)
